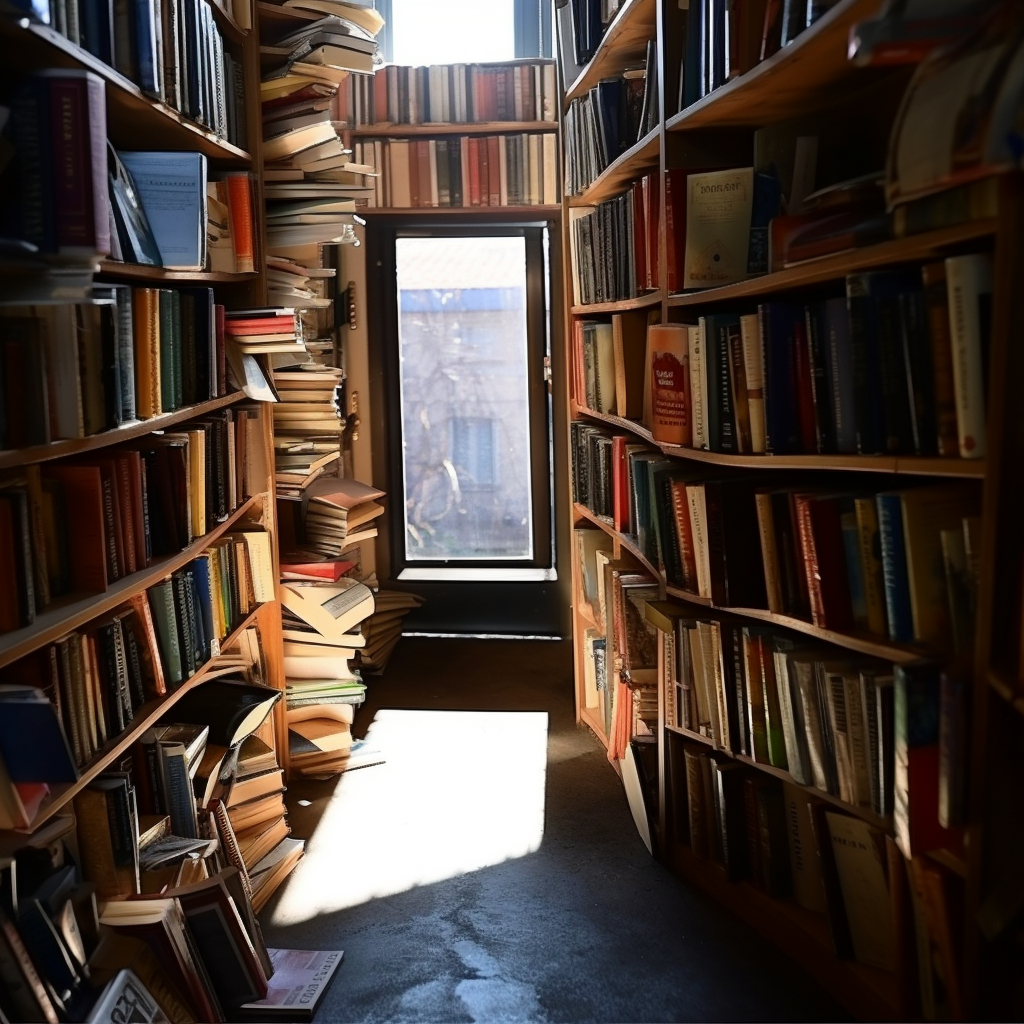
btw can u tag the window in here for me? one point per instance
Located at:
(464, 31)
(472, 452)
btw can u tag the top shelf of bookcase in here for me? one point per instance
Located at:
(801, 78)
(133, 118)
(625, 40)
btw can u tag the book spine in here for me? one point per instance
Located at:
(894, 568)
(934, 277)
(969, 280)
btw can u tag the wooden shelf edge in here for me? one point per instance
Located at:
(135, 271)
(619, 305)
(625, 166)
(628, 16)
(56, 621)
(872, 646)
(869, 993)
(118, 84)
(14, 458)
(901, 465)
(452, 128)
(749, 92)
(830, 268)
(147, 716)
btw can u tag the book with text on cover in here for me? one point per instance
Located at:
(298, 985)
(718, 211)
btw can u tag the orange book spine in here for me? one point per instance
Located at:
(240, 209)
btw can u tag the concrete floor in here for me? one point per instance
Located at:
(585, 926)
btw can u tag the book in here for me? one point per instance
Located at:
(718, 212)
(232, 708)
(298, 985)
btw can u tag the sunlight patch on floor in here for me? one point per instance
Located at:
(460, 791)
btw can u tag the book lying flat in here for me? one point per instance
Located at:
(331, 609)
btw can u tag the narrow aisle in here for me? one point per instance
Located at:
(468, 880)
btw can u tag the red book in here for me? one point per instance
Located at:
(675, 226)
(474, 171)
(331, 570)
(821, 540)
(380, 96)
(684, 534)
(620, 484)
(529, 94)
(803, 387)
(78, 156)
(423, 172)
(10, 618)
(493, 170)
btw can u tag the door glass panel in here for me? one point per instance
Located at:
(464, 398)
(452, 31)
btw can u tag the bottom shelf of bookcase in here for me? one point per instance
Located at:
(867, 992)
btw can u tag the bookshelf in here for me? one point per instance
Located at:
(794, 89)
(139, 120)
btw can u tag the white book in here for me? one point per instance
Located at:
(753, 369)
(718, 209)
(969, 287)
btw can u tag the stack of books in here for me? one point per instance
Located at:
(307, 426)
(339, 515)
(290, 283)
(322, 620)
(383, 629)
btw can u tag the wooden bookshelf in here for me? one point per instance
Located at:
(146, 717)
(137, 120)
(13, 458)
(138, 272)
(915, 248)
(624, 41)
(625, 168)
(134, 119)
(802, 78)
(479, 212)
(620, 306)
(898, 465)
(805, 80)
(74, 611)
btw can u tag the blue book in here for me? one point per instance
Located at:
(894, 567)
(145, 47)
(172, 190)
(778, 324)
(839, 357)
(204, 601)
(32, 743)
(608, 102)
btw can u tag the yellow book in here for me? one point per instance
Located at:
(197, 480)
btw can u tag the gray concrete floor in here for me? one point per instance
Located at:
(588, 927)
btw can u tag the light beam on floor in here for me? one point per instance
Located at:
(459, 791)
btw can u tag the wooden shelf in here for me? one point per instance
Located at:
(900, 465)
(446, 128)
(688, 734)
(138, 272)
(927, 245)
(227, 24)
(13, 458)
(145, 717)
(862, 643)
(283, 16)
(72, 612)
(867, 992)
(625, 40)
(801, 78)
(625, 168)
(133, 118)
(620, 305)
(547, 212)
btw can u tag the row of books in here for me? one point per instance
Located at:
(722, 42)
(76, 370)
(77, 527)
(896, 562)
(451, 94)
(172, 50)
(602, 124)
(801, 378)
(306, 426)
(468, 170)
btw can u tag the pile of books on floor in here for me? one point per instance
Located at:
(322, 619)
(383, 629)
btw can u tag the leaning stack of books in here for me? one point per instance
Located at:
(383, 629)
(340, 514)
(322, 633)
